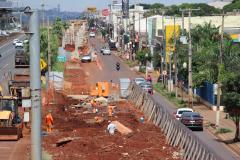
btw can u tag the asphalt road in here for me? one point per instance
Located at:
(10, 150)
(108, 72)
(7, 64)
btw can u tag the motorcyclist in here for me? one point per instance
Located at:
(117, 65)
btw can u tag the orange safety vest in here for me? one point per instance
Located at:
(49, 119)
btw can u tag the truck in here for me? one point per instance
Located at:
(11, 124)
(21, 59)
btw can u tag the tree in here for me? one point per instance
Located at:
(58, 28)
(230, 7)
(231, 99)
(142, 58)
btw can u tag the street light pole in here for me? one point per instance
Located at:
(35, 85)
(175, 58)
(163, 60)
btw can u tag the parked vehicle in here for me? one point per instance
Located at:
(192, 120)
(180, 111)
(19, 44)
(92, 34)
(139, 80)
(86, 58)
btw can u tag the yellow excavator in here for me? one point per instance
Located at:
(10, 122)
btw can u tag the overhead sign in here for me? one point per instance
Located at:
(105, 12)
(92, 9)
(125, 8)
(61, 58)
(43, 64)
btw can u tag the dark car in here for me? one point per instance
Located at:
(147, 86)
(192, 120)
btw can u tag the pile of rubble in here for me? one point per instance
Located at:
(82, 130)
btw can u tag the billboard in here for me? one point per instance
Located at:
(169, 30)
(125, 8)
(105, 12)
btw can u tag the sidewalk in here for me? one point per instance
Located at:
(210, 119)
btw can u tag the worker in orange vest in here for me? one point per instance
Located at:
(49, 122)
(110, 110)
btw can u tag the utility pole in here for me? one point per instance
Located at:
(183, 11)
(175, 58)
(219, 81)
(139, 31)
(133, 37)
(35, 85)
(190, 92)
(163, 60)
(43, 14)
(49, 53)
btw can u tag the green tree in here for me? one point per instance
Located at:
(142, 58)
(231, 100)
(58, 28)
(230, 7)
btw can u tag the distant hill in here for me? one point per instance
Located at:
(234, 5)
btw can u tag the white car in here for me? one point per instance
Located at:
(92, 34)
(19, 44)
(180, 111)
(139, 80)
(106, 51)
(86, 58)
(15, 41)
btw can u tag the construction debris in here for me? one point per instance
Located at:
(63, 141)
(121, 128)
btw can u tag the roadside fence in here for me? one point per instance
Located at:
(177, 135)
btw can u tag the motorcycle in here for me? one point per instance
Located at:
(117, 67)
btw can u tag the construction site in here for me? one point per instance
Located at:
(81, 122)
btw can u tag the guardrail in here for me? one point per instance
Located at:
(177, 134)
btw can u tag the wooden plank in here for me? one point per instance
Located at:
(121, 128)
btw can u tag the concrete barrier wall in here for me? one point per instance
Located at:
(177, 134)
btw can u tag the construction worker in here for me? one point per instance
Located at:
(49, 122)
(110, 110)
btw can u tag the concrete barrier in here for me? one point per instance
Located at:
(177, 134)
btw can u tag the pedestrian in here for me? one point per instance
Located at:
(49, 122)
(111, 128)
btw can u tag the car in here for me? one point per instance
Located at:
(139, 80)
(192, 120)
(4, 33)
(180, 111)
(15, 41)
(86, 58)
(147, 86)
(19, 44)
(106, 51)
(92, 34)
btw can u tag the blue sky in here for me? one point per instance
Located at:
(80, 5)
